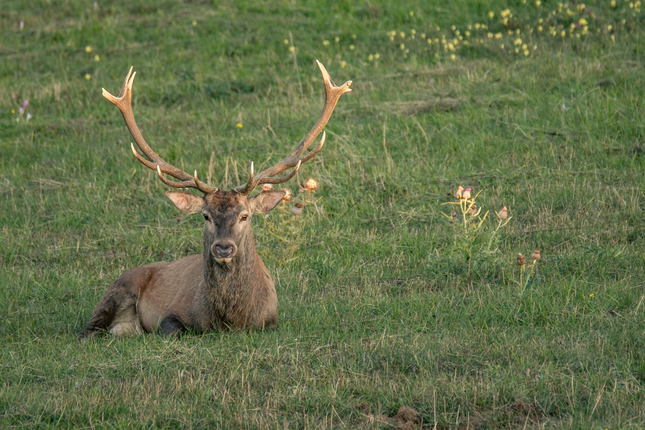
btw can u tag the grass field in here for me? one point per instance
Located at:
(383, 301)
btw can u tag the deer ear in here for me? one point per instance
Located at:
(266, 201)
(186, 202)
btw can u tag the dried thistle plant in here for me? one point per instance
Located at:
(474, 235)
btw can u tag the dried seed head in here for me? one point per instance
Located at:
(460, 190)
(310, 185)
(288, 196)
(536, 255)
(466, 193)
(503, 213)
(297, 208)
(472, 210)
(521, 260)
(266, 187)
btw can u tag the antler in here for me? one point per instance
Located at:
(124, 102)
(268, 176)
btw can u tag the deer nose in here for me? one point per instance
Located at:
(224, 250)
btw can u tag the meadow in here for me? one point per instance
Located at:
(389, 295)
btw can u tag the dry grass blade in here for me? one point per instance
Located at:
(414, 107)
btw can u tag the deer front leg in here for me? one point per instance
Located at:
(171, 325)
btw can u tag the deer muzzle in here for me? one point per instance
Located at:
(224, 251)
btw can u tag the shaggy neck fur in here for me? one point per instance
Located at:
(230, 285)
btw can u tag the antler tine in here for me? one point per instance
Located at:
(124, 102)
(267, 176)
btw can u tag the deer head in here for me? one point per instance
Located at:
(227, 214)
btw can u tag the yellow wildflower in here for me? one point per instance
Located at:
(88, 49)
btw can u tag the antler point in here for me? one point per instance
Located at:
(131, 80)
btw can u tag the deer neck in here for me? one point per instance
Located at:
(233, 281)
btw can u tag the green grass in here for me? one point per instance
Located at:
(379, 304)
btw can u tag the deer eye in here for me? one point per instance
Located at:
(206, 217)
(244, 217)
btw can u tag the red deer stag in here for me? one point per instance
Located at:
(227, 285)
